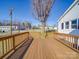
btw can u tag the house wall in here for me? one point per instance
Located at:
(71, 14)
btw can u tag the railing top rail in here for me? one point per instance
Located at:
(8, 36)
(76, 36)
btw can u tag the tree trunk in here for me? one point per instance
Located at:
(43, 32)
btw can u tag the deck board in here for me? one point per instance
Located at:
(49, 48)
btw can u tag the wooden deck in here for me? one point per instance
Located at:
(49, 48)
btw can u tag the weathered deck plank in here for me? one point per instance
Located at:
(49, 49)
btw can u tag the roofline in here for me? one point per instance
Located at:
(71, 6)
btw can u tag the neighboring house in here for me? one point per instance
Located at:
(55, 28)
(69, 22)
(49, 28)
(7, 28)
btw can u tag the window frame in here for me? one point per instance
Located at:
(67, 25)
(78, 23)
(73, 25)
(62, 25)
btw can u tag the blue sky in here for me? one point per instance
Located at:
(23, 10)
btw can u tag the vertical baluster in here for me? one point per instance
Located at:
(6, 46)
(13, 42)
(9, 44)
(67, 40)
(78, 44)
(64, 38)
(71, 41)
(3, 46)
(1, 51)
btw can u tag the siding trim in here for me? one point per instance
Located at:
(73, 4)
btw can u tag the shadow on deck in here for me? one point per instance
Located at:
(19, 53)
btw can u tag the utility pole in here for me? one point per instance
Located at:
(19, 27)
(11, 17)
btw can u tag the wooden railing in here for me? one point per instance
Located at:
(69, 40)
(11, 43)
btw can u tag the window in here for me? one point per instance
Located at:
(78, 23)
(67, 25)
(62, 26)
(78, 3)
(74, 24)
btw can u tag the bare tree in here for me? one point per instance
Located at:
(41, 10)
